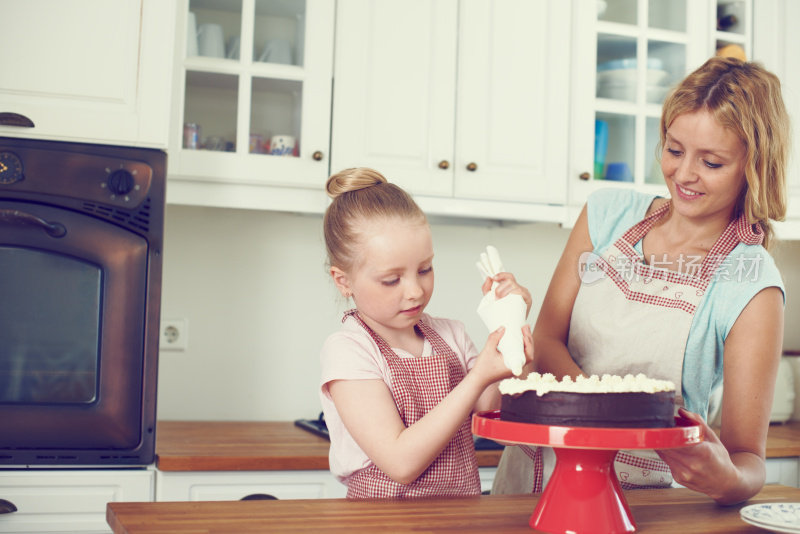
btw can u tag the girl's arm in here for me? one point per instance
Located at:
(552, 325)
(731, 468)
(370, 415)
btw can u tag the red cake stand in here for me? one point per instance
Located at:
(583, 494)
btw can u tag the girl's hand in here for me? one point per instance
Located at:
(507, 285)
(705, 467)
(489, 365)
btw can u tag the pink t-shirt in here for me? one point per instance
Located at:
(351, 354)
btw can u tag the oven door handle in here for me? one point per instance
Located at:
(20, 218)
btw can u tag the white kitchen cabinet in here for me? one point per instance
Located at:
(627, 55)
(775, 44)
(50, 501)
(462, 103)
(225, 110)
(87, 70)
(235, 485)
(783, 471)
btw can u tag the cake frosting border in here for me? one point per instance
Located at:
(607, 383)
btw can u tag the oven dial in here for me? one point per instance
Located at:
(10, 168)
(120, 182)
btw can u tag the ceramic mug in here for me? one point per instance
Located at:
(191, 35)
(277, 51)
(211, 40)
(282, 145)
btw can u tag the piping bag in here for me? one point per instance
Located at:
(508, 311)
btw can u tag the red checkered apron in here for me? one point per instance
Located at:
(417, 385)
(618, 327)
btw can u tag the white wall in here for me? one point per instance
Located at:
(259, 303)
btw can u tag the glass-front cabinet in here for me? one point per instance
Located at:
(630, 54)
(251, 103)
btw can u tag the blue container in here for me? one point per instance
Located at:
(600, 147)
(619, 172)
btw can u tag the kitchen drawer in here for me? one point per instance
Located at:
(785, 471)
(232, 485)
(51, 501)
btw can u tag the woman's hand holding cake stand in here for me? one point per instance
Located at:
(705, 466)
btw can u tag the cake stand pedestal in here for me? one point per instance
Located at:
(583, 494)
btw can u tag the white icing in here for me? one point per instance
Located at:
(546, 383)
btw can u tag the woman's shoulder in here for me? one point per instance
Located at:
(750, 266)
(611, 211)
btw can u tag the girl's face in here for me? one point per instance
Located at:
(392, 277)
(703, 165)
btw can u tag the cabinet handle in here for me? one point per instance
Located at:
(472, 167)
(317, 156)
(6, 507)
(584, 176)
(15, 119)
(444, 164)
(259, 497)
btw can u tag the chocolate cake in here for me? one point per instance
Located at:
(609, 401)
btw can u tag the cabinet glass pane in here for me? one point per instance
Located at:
(667, 15)
(210, 105)
(279, 32)
(217, 25)
(619, 158)
(275, 116)
(731, 16)
(624, 11)
(616, 67)
(652, 155)
(666, 62)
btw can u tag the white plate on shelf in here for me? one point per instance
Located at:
(781, 517)
(620, 76)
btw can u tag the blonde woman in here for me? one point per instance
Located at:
(688, 291)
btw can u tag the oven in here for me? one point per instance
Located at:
(81, 231)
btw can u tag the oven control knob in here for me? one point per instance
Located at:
(120, 182)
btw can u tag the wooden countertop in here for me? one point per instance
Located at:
(266, 446)
(663, 511)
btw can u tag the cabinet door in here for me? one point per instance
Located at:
(394, 96)
(234, 486)
(251, 107)
(627, 55)
(88, 70)
(68, 500)
(512, 119)
(775, 43)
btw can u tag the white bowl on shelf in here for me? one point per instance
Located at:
(628, 76)
(655, 93)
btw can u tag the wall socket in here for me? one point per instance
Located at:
(174, 335)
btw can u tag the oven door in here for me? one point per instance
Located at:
(73, 295)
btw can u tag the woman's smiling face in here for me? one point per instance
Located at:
(703, 165)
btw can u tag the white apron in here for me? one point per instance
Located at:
(618, 327)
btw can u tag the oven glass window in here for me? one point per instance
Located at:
(49, 324)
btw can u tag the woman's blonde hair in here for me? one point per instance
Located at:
(745, 98)
(361, 195)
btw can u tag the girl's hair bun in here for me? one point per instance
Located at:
(353, 179)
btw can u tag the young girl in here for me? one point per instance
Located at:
(399, 386)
